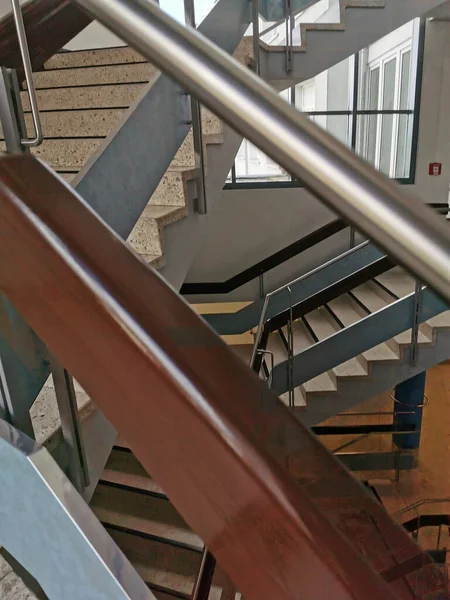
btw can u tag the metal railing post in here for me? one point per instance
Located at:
(202, 586)
(9, 116)
(25, 53)
(291, 350)
(289, 35)
(78, 471)
(197, 130)
(256, 47)
(414, 349)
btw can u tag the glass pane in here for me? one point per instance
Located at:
(339, 126)
(404, 145)
(387, 121)
(404, 138)
(252, 165)
(328, 91)
(369, 143)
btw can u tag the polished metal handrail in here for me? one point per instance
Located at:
(397, 221)
(28, 70)
(289, 285)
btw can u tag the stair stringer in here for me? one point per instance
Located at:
(382, 377)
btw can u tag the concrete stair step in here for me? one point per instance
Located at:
(160, 564)
(398, 281)
(95, 96)
(126, 73)
(146, 237)
(325, 326)
(372, 296)
(123, 469)
(88, 58)
(349, 313)
(142, 512)
(442, 320)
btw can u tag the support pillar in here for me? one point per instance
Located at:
(408, 410)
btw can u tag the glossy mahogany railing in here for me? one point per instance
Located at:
(279, 513)
(49, 24)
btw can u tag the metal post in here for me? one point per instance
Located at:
(289, 40)
(8, 112)
(197, 130)
(414, 349)
(70, 425)
(203, 582)
(291, 350)
(23, 44)
(256, 48)
(354, 123)
(261, 285)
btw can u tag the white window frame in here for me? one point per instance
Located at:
(381, 62)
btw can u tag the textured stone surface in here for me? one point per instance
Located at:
(67, 153)
(134, 73)
(110, 96)
(12, 588)
(44, 412)
(102, 56)
(79, 123)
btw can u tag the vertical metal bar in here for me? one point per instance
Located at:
(289, 30)
(203, 582)
(354, 123)
(290, 351)
(439, 537)
(197, 131)
(24, 51)
(233, 173)
(8, 115)
(417, 99)
(414, 351)
(256, 48)
(261, 285)
(70, 425)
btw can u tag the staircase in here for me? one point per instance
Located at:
(83, 97)
(346, 26)
(326, 336)
(147, 528)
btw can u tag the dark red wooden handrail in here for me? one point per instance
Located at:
(223, 447)
(50, 24)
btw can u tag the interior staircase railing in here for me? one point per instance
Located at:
(386, 213)
(149, 371)
(232, 476)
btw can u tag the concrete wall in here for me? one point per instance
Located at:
(250, 225)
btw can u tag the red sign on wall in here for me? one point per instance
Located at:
(435, 169)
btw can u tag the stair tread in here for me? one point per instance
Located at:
(301, 337)
(324, 326)
(161, 564)
(442, 320)
(405, 338)
(372, 296)
(123, 468)
(321, 383)
(142, 512)
(99, 56)
(398, 281)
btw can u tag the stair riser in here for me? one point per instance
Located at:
(89, 58)
(110, 96)
(136, 73)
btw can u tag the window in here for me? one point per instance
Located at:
(367, 102)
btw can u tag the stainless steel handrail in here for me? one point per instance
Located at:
(381, 209)
(25, 53)
(289, 285)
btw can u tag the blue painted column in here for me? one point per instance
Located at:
(410, 398)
